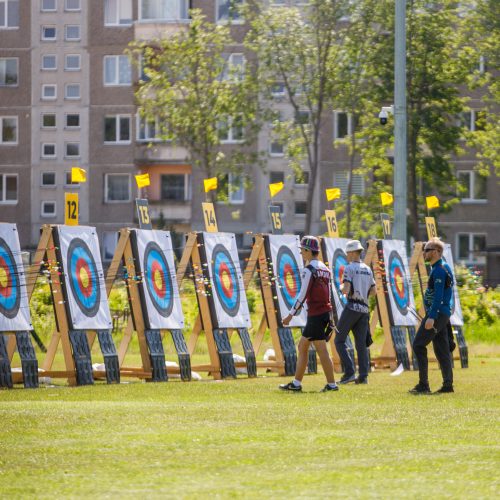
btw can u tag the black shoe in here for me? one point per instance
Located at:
(347, 380)
(361, 380)
(420, 389)
(291, 387)
(330, 388)
(445, 389)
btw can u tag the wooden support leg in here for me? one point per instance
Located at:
(11, 346)
(193, 338)
(127, 337)
(257, 343)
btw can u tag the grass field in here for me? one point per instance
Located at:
(246, 439)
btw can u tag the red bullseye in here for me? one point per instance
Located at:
(399, 282)
(84, 277)
(5, 279)
(341, 273)
(289, 279)
(158, 279)
(225, 279)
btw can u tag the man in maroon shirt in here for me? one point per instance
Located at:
(315, 292)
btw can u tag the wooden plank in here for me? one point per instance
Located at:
(11, 345)
(39, 256)
(117, 261)
(195, 333)
(259, 337)
(191, 242)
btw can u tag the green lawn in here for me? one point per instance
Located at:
(246, 439)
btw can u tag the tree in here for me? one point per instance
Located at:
(299, 49)
(196, 96)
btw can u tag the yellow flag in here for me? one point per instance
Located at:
(332, 193)
(386, 198)
(275, 188)
(432, 202)
(142, 180)
(78, 174)
(210, 184)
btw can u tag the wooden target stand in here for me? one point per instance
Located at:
(75, 343)
(150, 341)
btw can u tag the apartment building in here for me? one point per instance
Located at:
(67, 99)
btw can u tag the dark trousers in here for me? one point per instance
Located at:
(439, 337)
(357, 322)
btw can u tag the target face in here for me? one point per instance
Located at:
(456, 318)
(288, 276)
(225, 280)
(398, 283)
(10, 293)
(83, 277)
(339, 263)
(158, 277)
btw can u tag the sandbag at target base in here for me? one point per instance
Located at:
(182, 354)
(156, 355)
(5, 370)
(227, 368)
(289, 352)
(412, 332)
(81, 356)
(462, 346)
(398, 334)
(250, 359)
(110, 355)
(29, 363)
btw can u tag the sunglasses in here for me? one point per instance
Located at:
(428, 249)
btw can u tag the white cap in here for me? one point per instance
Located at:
(353, 246)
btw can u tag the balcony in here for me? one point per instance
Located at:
(164, 152)
(178, 212)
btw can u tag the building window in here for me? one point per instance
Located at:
(9, 71)
(48, 150)
(8, 130)
(116, 188)
(117, 70)
(227, 10)
(301, 178)
(148, 129)
(236, 189)
(48, 179)
(275, 177)
(117, 12)
(276, 148)
(72, 5)
(8, 189)
(231, 130)
(302, 117)
(68, 182)
(163, 10)
(300, 208)
(49, 33)
(278, 89)
(72, 62)
(9, 14)
(472, 120)
(234, 68)
(109, 241)
(340, 180)
(72, 91)
(117, 129)
(473, 186)
(72, 120)
(48, 5)
(49, 91)
(49, 62)
(48, 209)
(72, 32)
(176, 187)
(72, 149)
(471, 248)
(48, 120)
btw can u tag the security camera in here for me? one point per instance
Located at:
(382, 116)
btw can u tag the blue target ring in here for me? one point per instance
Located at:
(289, 280)
(225, 280)
(10, 295)
(398, 282)
(83, 277)
(158, 279)
(338, 266)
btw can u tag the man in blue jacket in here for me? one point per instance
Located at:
(434, 326)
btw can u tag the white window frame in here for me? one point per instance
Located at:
(48, 215)
(48, 38)
(66, 68)
(70, 39)
(70, 127)
(273, 154)
(69, 98)
(302, 184)
(42, 9)
(229, 73)
(48, 186)
(470, 261)
(278, 95)
(3, 194)
(70, 9)
(117, 16)
(295, 208)
(471, 189)
(175, 19)
(230, 132)
(117, 58)
(9, 143)
(72, 185)
(17, 71)
(42, 65)
(187, 188)
(44, 127)
(43, 155)
(230, 181)
(224, 20)
(5, 5)
(143, 120)
(46, 86)
(106, 177)
(117, 125)
(350, 124)
(66, 155)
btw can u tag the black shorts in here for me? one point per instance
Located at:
(315, 328)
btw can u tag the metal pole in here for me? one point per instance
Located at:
(400, 186)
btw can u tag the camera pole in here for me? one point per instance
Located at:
(400, 176)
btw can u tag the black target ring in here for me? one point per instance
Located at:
(398, 283)
(225, 280)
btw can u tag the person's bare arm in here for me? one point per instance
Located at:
(372, 291)
(346, 288)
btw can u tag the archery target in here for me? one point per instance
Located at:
(159, 290)
(14, 306)
(399, 287)
(83, 277)
(287, 266)
(336, 257)
(456, 318)
(227, 294)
